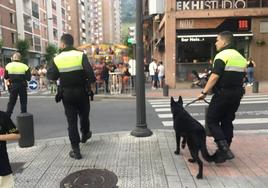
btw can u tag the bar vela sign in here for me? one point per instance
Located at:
(210, 4)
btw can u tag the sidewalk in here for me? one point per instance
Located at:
(143, 162)
(184, 89)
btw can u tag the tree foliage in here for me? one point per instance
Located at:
(23, 47)
(1, 43)
(51, 50)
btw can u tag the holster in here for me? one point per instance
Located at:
(59, 94)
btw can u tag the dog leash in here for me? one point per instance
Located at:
(188, 104)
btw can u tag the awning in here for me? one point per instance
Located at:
(214, 35)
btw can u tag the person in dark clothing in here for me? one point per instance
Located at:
(17, 74)
(76, 75)
(8, 131)
(226, 82)
(105, 77)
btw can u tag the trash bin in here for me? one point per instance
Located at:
(165, 90)
(26, 129)
(208, 133)
(255, 87)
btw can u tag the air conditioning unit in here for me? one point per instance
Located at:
(156, 7)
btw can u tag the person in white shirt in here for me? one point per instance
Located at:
(161, 73)
(153, 72)
(132, 71)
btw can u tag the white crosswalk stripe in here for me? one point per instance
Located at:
(162, 107)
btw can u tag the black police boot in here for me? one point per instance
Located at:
(223, 153)
(75, 153)
(85, 137)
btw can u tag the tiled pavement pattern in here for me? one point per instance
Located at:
(143, 162)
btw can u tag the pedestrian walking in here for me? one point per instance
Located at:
(8, 131)
(161, 74)
(226, 83)
(17, 74)
(250, 71)
(76, 75)
(153, 73)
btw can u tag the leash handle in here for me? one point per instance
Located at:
(188, 104)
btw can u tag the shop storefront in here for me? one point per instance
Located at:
(190, 27)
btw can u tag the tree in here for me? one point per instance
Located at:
(51, 50)
(23, 47)
(1, 44)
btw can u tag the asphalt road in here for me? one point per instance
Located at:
(120, 115)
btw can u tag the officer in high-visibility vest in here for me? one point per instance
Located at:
(226, 82)
(17, 74)
(76, 74)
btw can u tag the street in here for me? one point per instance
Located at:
(114, 115)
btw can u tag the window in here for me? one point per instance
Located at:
(36, 25)
(264, 3)
(55, 34)
(253, 3)
(35, 10)
(13, 38)
(54, 5)
(45, 16)
(264, 26)
(11, 18)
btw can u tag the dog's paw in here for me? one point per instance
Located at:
(191, 160)
(177, 152)
(199, 176)
(183, 145)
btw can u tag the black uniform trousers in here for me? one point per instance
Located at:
(221, 113)
(17, 89)
(76, 103)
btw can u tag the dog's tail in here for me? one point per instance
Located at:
(204, 151)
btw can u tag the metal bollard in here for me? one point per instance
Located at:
(208, 133)
(255, 87)
(165, 90)
(26, 129)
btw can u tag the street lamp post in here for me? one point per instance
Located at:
(141, 129)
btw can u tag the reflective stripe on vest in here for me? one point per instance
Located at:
(16, 68)
(69, 61)
(233, 60)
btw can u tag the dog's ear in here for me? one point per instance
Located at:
(172, 100)
(180, 100)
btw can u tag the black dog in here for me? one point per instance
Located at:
(193, 134)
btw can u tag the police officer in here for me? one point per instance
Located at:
(226, 82)
(75, 73)
(17, 74)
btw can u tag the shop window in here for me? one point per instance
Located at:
(253, 3)
(264, 26)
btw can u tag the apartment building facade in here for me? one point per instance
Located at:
(39, 21)
(8, 29)
(105, 21)
(184, 36)
(78, 22)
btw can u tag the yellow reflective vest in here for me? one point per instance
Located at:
(16, 68)
(233, 60)
(69, 61)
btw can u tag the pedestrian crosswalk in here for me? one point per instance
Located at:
(197, 110)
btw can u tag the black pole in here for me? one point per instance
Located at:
(141, 129)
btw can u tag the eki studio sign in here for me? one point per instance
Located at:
(210, 4)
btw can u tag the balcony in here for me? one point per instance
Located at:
(27, 11)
